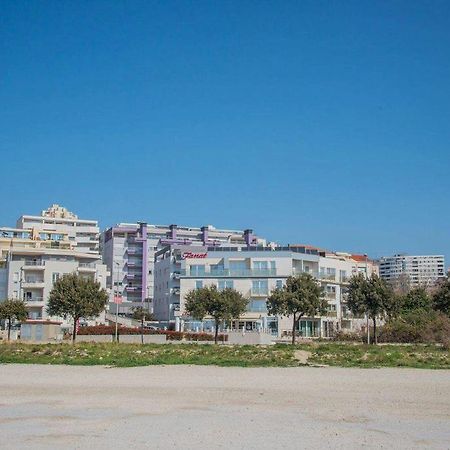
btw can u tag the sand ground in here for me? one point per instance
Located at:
(194, 407)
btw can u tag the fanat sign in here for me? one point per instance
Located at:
(187, 255)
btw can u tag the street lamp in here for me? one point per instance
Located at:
(116, 299)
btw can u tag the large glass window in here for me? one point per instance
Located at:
(225, 284)
(198, 284)
(217, 269)
(197, 269)
(257, 305)
(260, 287)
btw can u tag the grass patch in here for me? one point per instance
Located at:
(361, 355)
(130, 355)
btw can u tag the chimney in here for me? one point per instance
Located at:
(173, 231)
(205, 234)
(248, 236)
(143, 229)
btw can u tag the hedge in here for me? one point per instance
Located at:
(171, 335)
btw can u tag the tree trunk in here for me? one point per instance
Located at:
(9, 328)
(216, 333)
(74, 331)
(375, 331)
(294, 323)
(142, 331)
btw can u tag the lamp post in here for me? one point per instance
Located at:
(367, 323)
(116, 300)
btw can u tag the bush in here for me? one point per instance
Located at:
(171, 335)
(418, 326)
(349, 336)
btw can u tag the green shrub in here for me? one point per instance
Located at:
(419, 326)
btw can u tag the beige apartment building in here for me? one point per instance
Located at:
(32, 258)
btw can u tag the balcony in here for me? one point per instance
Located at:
(134, 251)
(134, 263)
(327, 276)
(230, 273)
(33, 284)
(35, 301)
(133, 288)
(132, 276)
(259, 292)
(34, 265)
(87, 267)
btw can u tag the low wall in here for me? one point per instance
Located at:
(124, 339)
(148, 339)
(250, 338)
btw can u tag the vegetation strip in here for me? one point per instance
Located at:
(129, 355)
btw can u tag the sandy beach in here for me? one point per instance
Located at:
(195, 407)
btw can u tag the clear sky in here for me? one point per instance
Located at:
(321, 122)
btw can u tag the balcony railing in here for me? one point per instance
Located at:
(34, 263)
(133, 288)
(237, 273)
(87, 265)
(259, 292)
(33, 281)
(327, 276)
(34, 299)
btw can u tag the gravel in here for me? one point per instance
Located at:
(197, 407)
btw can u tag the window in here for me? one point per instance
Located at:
(225, 284)
(279, 284)
(256, 305)
(217, 268)
(198, 284)
(55, 277)
(197, 269)
(260, 287)
(16, 277)
(238, 266)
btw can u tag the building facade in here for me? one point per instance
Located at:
(57, 219)
(255, 271)
(35, 254)
(419, 270)
(128, 250)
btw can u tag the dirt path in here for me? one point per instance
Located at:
(193, 407)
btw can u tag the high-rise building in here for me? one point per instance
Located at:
(419, 270)
(128, 250)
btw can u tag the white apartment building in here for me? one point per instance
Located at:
(128, 250)
(35, 255)
(57, 219)
(255, 271)
(419, 270)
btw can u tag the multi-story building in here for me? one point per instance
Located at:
(34, 255)
(128, 250)
(57, 219)
(423, 270)
(255, 271)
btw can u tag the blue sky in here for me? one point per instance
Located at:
(311, 122)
